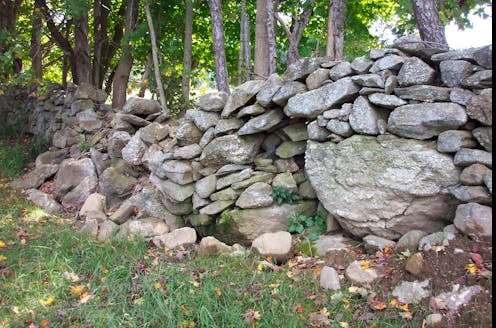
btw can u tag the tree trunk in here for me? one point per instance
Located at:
(8, 17)
(121, 76)
(100, 29)
(156, 67)
(144, 78)
(241, 56)
(82, 48)
(245, 21)
(261, 68)
(271, 37)
(218, 45)
(335, 29)
(429, 24)
(187, 62)
(35, 47)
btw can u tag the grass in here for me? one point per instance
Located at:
(53, 276)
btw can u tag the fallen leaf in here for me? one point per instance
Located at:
(77, 290)
(472, 268)
(343, 324)
(2, 258)
(316, 272)
(366, 316)
(188, 324)
(476, 258)
(404, 307)
(260, 266)
(44, 324)
(406, 315)
(218, 293)
(2, 244)
(393, 302)
(251, 316)
(47, 301)
(185, 310)
(318, 320)
(364, 265)
(377, 305)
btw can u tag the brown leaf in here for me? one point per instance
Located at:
(476, 258)
(251, 316)
(45, 324)
(377, 305)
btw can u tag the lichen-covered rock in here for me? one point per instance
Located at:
(480, 107)
(415, 71)
(187, 133)
(213, 101)
(134, 150)
(141, 106)
(315, 79)
(71, 173)
(288, 90)
(385, 186)
(474, 220)
(427, 93)
(154, 133)
(231, 149)
(363, 117)
(451, 141)
(484, 136)
(262, 122)
(36, 177)
(466, 156)
(300, 69)
(258, 194)
(241, 95)
(274, 244)
(454, 71)
(269, 89)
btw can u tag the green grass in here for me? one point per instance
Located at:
(16, 152)
(47, 266)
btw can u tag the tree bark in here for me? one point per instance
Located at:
(100, 29)
(245, 21)
(8, 18)
(146, 75)
(121, 76)
(82, 48)
(335, 29)
(429, 24)
(241, 56)
(35, 47)
(271, 37)
(261, 68)
(218, 45)
(156, 67)
(188, 45)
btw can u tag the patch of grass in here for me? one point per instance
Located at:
(16, 152)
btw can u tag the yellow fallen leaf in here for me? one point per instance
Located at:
(2, 258)
(2, 244)
(260, 266)
(343, 324)
(269, 258)
(472, 268)
(393, 302)
(218, 293)
(158, 285)
(47, 301)
(185, 310)
(85, 297)
(187, 324)
(77, 290)
(364, 265)
(1, 92)
(403, 307)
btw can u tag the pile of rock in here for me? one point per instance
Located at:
(377, 143)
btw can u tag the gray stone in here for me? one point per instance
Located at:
(412, 291)
(312, 103)
(76, 197)
(286, 165)
(252, 110)
(379, 53)
(89, 121)
(364, 116)
(376, 243)
(368, 80)
(36, 177)
(340, 70)
(399, 189)
(187, 133)
(316, 132)
(426, 120)
(366, 91)
(225, 194)
(116, 184)
(484, 136)
(359, 276)
(227, 125)
(256, 177)
(386, 101)
(233, 178)
(88, 91)
(206, 186)
(329, 278)
(481, 79)
(45, 201)
(269, 89)
(208, 136)
(256, 195)
(488, 180)
(285, 180)
(342, 114)
(211, 246)
(454, 71)
(306, 191)
(410, 240)
(334, 242)
(134, 150)
(288, 90)
(241, 96)
(461, 96)
(480, 107)
(141, 106)
(339, 127)
(477, 194)
(466, 156)
(106, 230)
(315, 79)
(296, 132)
(415, 71)
(361, 65)
(244, 225)
(187, 152)
(434, 320)
(390, 84)
(231, 168)
(79, 106)
(274, 244)
(480, 55)
(176, 238)
(427, 93)
(216, 207)
(458, 297)
(132, 119)
(213, 101)
(173, 190)
(148, 227)
(117, 141)
(200, 220)
(262, 122)
(67, 137)
(202, 119)
(198, 202)
(414, 264)
(90, 227)
(290, 148)
(300, 69)
(93, 207)
(175, 207)
(123, 213)
(71, 173)
(231, 149)
(440, 238)
(321, 121)
(451, 141)
(473, 175)
(392, 62)
(474, 220)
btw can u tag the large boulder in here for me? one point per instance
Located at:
(231, 149)
(72, 172)
(244, 225)
(385, 186)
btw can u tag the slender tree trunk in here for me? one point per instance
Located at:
(8, 18)
(188, 45)
(146, 75)
(271, 37)
(100, 28)
(35, 47)
(429, 24)
(110, 45)
(121, 76)
(261, 68)
(82, 48)
(335, 29)
(245, 21)
(156, 67)
(241, 56)
(218, 45)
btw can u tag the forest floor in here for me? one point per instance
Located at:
(53, 276)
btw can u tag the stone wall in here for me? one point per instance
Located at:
(396, 141)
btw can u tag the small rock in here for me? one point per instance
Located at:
(178, 237)
(359, 276)
(414, 264)
(474, 220)
(410, 240)
(376, 243)
(329, 279)
(434, 320)
(458, 297)
(412, 292)
(276, 244)
(211, 246)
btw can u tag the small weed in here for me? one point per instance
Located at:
(83, 147)
(283, 195)
(309, 226)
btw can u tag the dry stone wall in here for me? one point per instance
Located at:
(396, 141)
